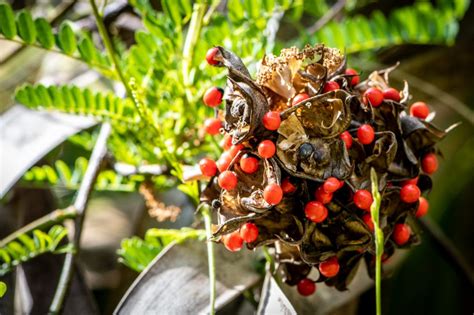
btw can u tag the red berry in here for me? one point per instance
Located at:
(208, 167)
(306, 287)
(373, 96)
(224, 161)
(226, 142)
(316, 211)
(271, 120)
(401, 233)
(410, 193)
(234, 149)
(363, 199)
(266, 149)
(347, 138)
(273, 194)
(322, 196)
(365, 134)
(227, 180)
(355, 79)
(331, 86)
(367, 218)
(330, 267)
(249, 232)
(287, 186)
(233, 241)
(429, 163)
(391, 94)
(419, 110)
(331, 184)
(213, 96)
(413, 181)
(211, 53)
(299, 98)
(212, 126)
(422, 207)
(341, 184)
(249, 164)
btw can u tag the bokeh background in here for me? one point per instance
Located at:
(424, 283)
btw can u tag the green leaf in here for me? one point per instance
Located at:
(66, 38)
(3, 288)
(7, 21)
(26, 27)
(86, 49)
(44, 33)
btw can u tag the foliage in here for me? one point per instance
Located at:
(26, 247)
(137, 253)
(3, 288)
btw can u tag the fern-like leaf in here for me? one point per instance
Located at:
(73, 100)
(26, 30)
(28, 246)
(64, 176)
(137, 253)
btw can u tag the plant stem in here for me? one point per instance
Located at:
(55, 217)
(80, 203)
(379, 242)
(194, 30)
(206, 213)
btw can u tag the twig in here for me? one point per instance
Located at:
(326, 18)
(447, 249)
(206, 213)
(80, 204)
(379, 242)
(55, 217)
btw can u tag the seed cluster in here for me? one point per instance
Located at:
(299, 143)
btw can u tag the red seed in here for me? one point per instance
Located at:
(365, 134)
(367, 218)
(429, 163)
(306, 287)
(211, 53)
(331, 86)
(401, 233)
(249, 164)
(347, 138)
(316, 211)
(423, 207)
(391, 94)
(266, 149)
(287, 186)
(213, 96)
(330, 267)
(226, 142)
(410, 193)
(413, 181)
(322, 196)
(355, 79)
(234, 149)
(331, 185)
(363, 199)
(212, 126)
(233, 241)
(419, 110)
(299, 98)
(271, 120)
(373, 96)
(208, 167)
(273, 194)
(224, 161)
(249, 232)
(227, 180)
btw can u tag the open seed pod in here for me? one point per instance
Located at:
(310, 197)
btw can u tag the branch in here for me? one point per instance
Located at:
(326, 18)
(447, 249)
(379, 240)
(206, 213)
(55, 217)
(80, 203)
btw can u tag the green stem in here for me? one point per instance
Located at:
(379, 240)
(206, 213)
